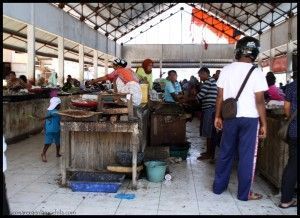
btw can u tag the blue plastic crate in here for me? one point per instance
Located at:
(96, 182)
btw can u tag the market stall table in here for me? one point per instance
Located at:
(92, 146)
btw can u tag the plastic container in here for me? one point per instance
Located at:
(179, 151)
(156, 170)
(145, 89)
(96, 182)
(124, 158)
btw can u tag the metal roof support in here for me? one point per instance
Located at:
(247, 13)
(21, 12)
(60, 73)
(115, 16)
(139, 15)
(31, 46)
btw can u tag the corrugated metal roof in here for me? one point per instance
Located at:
(119, 19)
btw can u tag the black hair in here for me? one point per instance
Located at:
(69, 75)
(271, 79)
(12, 72)
(57, 106)
(171, 71)
(204, 69)
(24, 78)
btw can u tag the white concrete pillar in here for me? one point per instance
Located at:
(106, 64)
(81, 63)
(95, 61)
(272, 50)
(290, 48)
(30, 52)
(60, 73)
(160, 67)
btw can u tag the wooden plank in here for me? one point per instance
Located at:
(135, 144)
(99, 126)
(64, 144)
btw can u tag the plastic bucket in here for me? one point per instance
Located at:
(156, 170)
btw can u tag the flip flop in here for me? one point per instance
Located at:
(294, 204)
(255, 196)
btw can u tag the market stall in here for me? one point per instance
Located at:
(272, 152)
(91, 144)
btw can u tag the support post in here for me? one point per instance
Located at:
(95, 64)
(106, 64)
(31, 52)
(290, 48)
(60, 61)
(81, 64)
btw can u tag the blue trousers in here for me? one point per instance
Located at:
(241, 135)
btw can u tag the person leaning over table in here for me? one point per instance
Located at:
(15, 83)
(173, 92)
(124, 79)
(144, 73)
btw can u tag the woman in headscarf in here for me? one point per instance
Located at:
(124, 79)
(144, 73)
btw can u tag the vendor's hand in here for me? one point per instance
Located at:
(262, 132)
(218, 123)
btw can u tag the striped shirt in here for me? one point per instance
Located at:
(208, 93)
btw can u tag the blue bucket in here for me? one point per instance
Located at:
(156, 170)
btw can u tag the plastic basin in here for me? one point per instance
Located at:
(156, 170)
(96, 182)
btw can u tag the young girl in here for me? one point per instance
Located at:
(52, 127)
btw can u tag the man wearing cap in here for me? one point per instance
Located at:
(52, 127)
(124, 79)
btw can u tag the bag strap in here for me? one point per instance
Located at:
(244, 83)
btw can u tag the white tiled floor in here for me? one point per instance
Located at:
(32, 187)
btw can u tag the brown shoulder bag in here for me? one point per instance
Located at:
(229, 106)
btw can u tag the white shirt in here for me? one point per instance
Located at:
(231, 79)
(4, 158)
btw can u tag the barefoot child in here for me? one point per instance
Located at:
(52, 127)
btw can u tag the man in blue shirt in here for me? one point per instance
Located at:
(173, 91)
(289, 176)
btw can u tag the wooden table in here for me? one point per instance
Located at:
(92, 146)
(272, 153)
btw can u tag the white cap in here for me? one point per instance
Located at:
(54, 101)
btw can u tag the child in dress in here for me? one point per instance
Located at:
(52, 127)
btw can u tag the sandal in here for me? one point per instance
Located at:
(204, 157)
(293, 204)
(255, 196)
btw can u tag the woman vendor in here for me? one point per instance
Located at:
(124, 79)
(144, 73)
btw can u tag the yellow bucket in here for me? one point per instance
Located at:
(144, 88)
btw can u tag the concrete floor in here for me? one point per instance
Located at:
(32, 188)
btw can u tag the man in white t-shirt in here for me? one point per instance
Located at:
(241, 133)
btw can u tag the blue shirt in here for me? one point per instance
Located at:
(53, 123)
(171, 87)
(291, 96)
